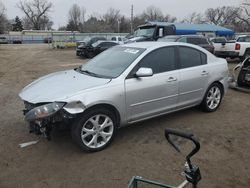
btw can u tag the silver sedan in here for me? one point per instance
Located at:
(124, 85)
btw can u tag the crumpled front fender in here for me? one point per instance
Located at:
(74, 107)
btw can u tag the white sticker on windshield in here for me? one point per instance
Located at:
(132, 51)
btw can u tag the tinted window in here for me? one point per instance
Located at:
(219, 40)
(189, 57)
(203, 58)
(244, 39)
(197, 41)
(113, 38)
(109, 44)
(183, 39)
(160, 60)
(119, 39)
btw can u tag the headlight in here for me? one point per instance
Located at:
(43, 111)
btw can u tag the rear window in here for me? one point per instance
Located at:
(3, 38)
(190, 57)
(243, 39)
(197, 41)
(219, 40)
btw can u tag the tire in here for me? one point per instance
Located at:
(88, 133)
(212, 98)
(90, 55)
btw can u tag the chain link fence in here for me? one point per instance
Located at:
(55, 39)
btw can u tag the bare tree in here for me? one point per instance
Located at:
(3, 18)
(36, 12)
(169, 18)
(76, 18)
(222, 15)
(112, 19)
(2, 9)
(194, 18)
(244, 15)
(153, 13)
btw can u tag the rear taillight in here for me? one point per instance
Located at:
(237, 46)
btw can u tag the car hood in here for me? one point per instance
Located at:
(59, 86)
(136, 39)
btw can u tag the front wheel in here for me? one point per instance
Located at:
(212, 99)
(94, 130)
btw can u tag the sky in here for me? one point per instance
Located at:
(177, 8)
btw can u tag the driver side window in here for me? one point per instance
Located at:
(160, 60)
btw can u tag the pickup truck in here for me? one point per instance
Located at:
(242, 46)
(224, 48)
(239, 48)
(117, 39)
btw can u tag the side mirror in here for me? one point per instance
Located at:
(160, 32)
(144, 72)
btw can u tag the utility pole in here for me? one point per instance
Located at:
(132, 19)
(118, 24)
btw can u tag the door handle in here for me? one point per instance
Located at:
(172, 79)
(204, 73)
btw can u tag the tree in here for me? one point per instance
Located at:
(153, 13)
(36, 12)
(169, 18)
(113, 19)
(3, 18)
(76, 18)
(244, 15)
(17, 25)
(194, 18)
(222, 15)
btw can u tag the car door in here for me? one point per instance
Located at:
(194, 75)
(150, 96)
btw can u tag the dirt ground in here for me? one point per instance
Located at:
(139, 149)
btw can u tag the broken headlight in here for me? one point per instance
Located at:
(44, 111)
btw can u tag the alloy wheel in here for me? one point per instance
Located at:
(213, 97)
(97, 131)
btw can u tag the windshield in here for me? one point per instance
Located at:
(145, 32)
(113, 62)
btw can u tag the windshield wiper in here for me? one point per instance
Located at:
(93, 74)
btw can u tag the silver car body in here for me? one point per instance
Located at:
(134, 99)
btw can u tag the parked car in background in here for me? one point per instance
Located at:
(123, 85)
(192, 39)
(3, 40)
(224, 48)
(98, 47)
(47, 40)
(17, 40)
(81, 45)
(117, 39)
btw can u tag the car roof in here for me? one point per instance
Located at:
(179, 36)
(155, 44)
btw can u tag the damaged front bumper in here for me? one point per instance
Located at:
(43, 117)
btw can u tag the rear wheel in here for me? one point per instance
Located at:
(212, 99)
(94, 130)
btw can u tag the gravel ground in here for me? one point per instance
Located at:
(138, 149)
